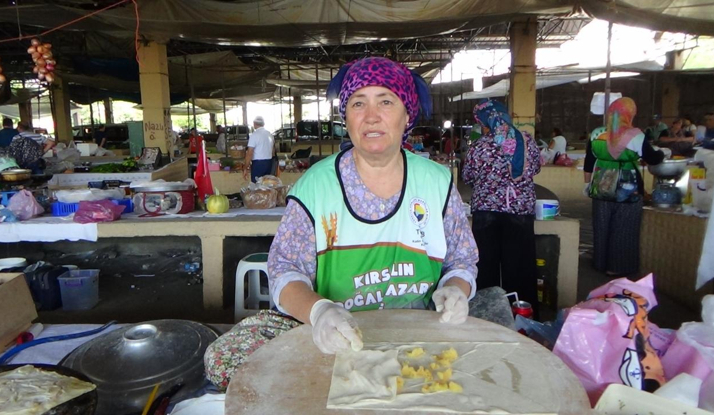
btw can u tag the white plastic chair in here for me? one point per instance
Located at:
(250, 268)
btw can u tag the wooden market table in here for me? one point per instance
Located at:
(670, 247)
(289, 375)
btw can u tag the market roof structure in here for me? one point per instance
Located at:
(246, 49)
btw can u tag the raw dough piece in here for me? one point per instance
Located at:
(468, 377)
(363, 376)
(31, 391)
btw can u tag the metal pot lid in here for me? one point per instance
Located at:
(141, 355)
(164, 187)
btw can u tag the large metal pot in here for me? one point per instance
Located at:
(126, 363)
(668, 169)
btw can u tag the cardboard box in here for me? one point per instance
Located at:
(17, 310)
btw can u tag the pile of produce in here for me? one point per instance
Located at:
(129, 164)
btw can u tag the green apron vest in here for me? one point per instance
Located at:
(394, 262)
(613, 179)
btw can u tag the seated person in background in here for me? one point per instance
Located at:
(705, 133)
(676, 140)
(688, 126)
(556, 146)
(7, 133)
(221, 142)
(45, 142)
(558, 142)
(656, 129)
(100, 136)
(27, 149)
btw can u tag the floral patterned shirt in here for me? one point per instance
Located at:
(486, 170)
(293, 253)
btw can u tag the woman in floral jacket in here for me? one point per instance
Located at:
(500, 167)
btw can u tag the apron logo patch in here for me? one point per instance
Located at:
(419, 212)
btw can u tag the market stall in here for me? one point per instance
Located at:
(670, 247)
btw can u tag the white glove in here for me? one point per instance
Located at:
(333, 328)
(586, 190)
(453, 303)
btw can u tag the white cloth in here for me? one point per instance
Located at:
(262, 142)
(221, 143)
(52, 353)
(47, 229)
(706, 262)
(210, 404)
(560, 144)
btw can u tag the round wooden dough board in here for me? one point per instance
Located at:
(289, 375)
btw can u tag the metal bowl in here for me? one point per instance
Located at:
(668, 169)
(16, 175)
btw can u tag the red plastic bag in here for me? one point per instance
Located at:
(24, 206)
(562, 159)
(608, 338)
(98, 211)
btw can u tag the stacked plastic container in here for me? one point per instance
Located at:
(80, 289)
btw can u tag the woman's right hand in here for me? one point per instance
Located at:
(333, 328)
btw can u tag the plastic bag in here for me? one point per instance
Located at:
(269, 181)
(6, 215)
(24, 205)
(562, 159)
(89, 195)
(608, 338)
(259, 198)
(544, 333)
(98, 211)
(68, 154)
(692, 351)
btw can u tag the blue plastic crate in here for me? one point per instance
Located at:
(126, 202)
(6, 197)
(66, 209)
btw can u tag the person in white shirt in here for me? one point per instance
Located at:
(260, 151)
(557, 146)
(221, 142)
(558, 143)
(25, 132)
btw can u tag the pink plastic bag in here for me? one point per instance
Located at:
(692, 352)
(98, 211)
(608, 338)
(24, 205)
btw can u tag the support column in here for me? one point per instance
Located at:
(25, 109)
(522, 92)
(297, 108)
(212, 122)
(670, 88)
(108, 111)
(244, 107)
(61, 111)
(154, 82)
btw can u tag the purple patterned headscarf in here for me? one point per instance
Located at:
(411, 88)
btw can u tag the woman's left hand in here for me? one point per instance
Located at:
(451, 301)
